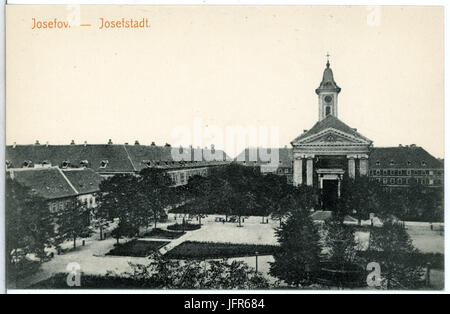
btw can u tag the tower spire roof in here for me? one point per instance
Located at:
(328, 84)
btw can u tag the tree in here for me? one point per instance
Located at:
(120, 198)
(283, 207)
(198, 191)
(155, 193)
(30, 226)
(101, 218)
(73, 222)
(392, 248)
(299, 256)
(340, 242)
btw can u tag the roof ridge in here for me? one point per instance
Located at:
(68, 181)
(129, 157)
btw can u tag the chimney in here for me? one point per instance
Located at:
(72, 142)
(153, 144)
(37, 142)
(14, 145)
(126, 143)
(356, 130)
(109, 142)
(85, 143)
(136, 142)
(46, 144)
(400, 145)
(304, 131)
(167, 145)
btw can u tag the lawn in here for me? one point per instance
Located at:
(137, 248)
(209, 250)
(163, 234)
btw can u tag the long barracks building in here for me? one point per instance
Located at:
(110, 159)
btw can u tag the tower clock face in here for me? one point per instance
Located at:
(328, 98)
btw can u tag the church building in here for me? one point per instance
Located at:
(323, 154)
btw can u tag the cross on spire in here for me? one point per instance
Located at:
(328, 60)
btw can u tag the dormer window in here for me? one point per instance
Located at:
(27, 164)
(46, 163)
(424, 164)
(104, 163)
(84, 163)
(147, 163)
(391, 163)
(408, 163)
(377, 163)
(65, 164)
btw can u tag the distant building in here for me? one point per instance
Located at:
(60, 188)
(110, 159)
(403, 165)
(261, 157)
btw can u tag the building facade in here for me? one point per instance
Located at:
(323, 154)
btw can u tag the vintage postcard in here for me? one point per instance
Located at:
(224, 147)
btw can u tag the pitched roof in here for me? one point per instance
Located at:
(54, 183)
(48, 183)
(260, 156)
(115, 155)
(402, 157)
(85, 180)
(118, 158)
(144, 156)
(330, 122)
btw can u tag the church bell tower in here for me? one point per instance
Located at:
(328, 94)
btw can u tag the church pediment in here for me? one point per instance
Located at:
(332, 136)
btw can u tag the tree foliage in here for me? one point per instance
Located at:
(241, 191)
(30, 227)
(299, 257)
(73, 222)
(134, 201)
(392, 248)
(161, 273)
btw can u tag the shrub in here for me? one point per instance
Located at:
(137, 248)
(204, 250)
(163, 234)
(184, 227)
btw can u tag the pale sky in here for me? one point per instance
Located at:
(228, 66)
